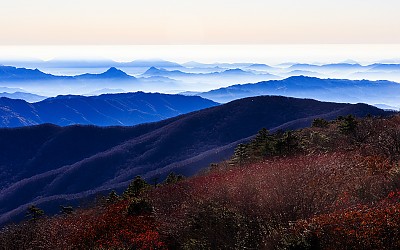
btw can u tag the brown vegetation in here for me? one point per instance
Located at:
(335, 185)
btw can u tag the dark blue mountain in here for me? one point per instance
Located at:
(153, 71)
(13, 74)
(104, 110)
(233, 72)
(304, 73)
(10, 74)
(50, 166)
(237, 72)
(111, 74)
(335, 90)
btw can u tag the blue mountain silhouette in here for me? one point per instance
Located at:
(104, 110)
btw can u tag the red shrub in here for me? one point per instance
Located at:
(361, 227)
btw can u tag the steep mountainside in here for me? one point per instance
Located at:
(50, 165)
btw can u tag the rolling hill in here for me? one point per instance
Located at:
(23, 96)
(334, 90)
(104, 110)
(12, 74)
(230, 75)
(49, 165)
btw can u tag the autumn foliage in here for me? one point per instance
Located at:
(100, 227)
(335, 185)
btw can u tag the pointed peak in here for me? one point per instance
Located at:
(153, 70)
(113, 69)
(114, 72)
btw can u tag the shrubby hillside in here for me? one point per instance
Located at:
(334, 185)
(50, 165)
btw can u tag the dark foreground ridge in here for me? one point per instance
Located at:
(332, 185)
(50, 165)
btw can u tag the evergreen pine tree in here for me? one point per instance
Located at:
(34, 213)
(173, 178)
(241, 155)
(135, 187)
(112, 197)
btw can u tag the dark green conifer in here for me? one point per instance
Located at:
(173, 178)
(137, 186)
(34, 213)
(320, 123)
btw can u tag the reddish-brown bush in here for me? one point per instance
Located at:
(95, 228)
(273, 193)
(338, 191)
(360, 227)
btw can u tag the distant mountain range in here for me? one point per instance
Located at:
(330, 67)
(214, 79)
(13, 74)
(223, 76)
(10, 90)
(153, 71)
(50, 166)
(335, 90)
(23, 96)
(153, 79)
(63, 63)
(104, 110)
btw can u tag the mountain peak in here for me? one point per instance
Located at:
(111, 73)
(113, 69)
(152, 69)
(114, 72)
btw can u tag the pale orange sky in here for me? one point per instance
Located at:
(130, 22)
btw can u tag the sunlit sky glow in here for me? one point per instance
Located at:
(106, 22)
(208, 31)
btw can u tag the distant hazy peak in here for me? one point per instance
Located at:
(115, 72)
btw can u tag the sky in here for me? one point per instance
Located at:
(132, 22)
(207, 30)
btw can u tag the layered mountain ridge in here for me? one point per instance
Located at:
(105, 110)
(50, 166)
